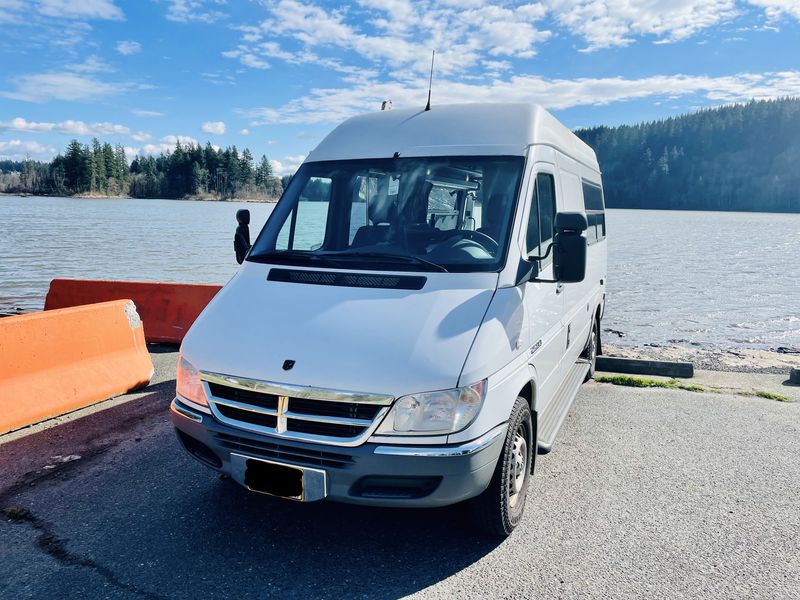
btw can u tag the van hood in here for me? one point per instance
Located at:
(383, 341)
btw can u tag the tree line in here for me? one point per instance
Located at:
(743, 157)
(103, 169)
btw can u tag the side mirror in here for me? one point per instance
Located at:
(569, 247)
(569, 252)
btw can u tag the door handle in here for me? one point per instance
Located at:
(559, 288)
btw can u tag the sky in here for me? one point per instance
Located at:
(277, 75)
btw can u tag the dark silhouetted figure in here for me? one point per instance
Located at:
(241, 241)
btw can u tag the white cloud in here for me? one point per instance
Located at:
(288, 165)
(183, 139)
(60, 23)
(775, 9)
(245, 131)
(218, 78)
(12, 4)
(167, 145)
(141, 136)
(80, 9)
(128, 47)
(215, 127)
(247, 58)
(398, 34)
(146, 113)
(44, 87)
(332, 105)
(185, 11)
(68, 127)
(606, 23)
(92, 64)
(19, 150)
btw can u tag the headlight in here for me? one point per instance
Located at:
(442, 412)
(189, 385)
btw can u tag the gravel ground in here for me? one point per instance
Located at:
(648, 494)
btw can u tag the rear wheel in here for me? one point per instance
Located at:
(590, 352)
(498, 510)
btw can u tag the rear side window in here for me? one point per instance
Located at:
(542, 216)
(595, 212)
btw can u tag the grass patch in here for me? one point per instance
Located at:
(640, 382)
(629, 381)
(773, 396)
(692, 388)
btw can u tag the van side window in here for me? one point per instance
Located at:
(595, 212)
(542, 216)
(308, 231)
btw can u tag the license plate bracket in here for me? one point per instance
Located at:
(292, 482)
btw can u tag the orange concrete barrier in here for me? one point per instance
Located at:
(52, 363)
(167, 309)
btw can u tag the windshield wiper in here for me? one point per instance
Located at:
(391, 257)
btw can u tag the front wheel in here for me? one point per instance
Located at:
(498, 510)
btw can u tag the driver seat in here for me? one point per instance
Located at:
(487, 227)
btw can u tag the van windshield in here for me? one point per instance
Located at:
(411, 214)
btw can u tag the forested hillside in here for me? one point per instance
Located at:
(741, 157)
(99, 168)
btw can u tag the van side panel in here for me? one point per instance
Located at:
(503, 336)
(581, 299)
(495, 351)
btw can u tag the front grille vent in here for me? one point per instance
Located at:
(345, 410)
(268, 401)
(360, 280)
(317, 428)
(248, 416)
(274, 450)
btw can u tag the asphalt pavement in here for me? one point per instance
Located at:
(648, 493)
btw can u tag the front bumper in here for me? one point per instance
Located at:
(370, 474)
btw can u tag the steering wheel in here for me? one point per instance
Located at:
(488, 243)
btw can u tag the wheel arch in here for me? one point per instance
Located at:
(528, 392)
(597, 317)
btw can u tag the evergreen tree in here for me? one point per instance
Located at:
(263, 173)
(246, 168)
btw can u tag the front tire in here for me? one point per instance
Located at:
(498, 510)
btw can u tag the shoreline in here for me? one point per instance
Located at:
(734, 360)
(271, 200)
(192, 198)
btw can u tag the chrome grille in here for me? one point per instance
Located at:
(294, 412)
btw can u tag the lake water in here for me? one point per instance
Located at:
(718, 280)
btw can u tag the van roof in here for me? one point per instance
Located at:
(454, 130)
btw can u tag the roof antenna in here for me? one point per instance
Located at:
(430, 81)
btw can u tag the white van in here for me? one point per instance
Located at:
(413, 321)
